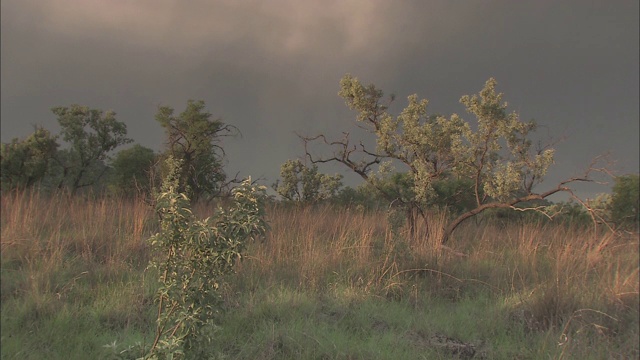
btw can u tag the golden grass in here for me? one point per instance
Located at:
(47, 231)
(554, 274)
(548, 275)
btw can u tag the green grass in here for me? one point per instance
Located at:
(282, 323)
(72, 312)
(324, 284)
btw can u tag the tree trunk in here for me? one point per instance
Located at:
(411, 219)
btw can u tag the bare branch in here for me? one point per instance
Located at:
(343, 154)
(562, 187)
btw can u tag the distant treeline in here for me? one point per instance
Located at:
(421, 163)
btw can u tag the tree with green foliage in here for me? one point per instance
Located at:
(301, 183)
(625, 201)
(131, 170)
(454, 195)
(495, 158)
(195, 138)
(24, 163)
(91, 134)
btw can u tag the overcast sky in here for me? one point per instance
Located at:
(272, 68)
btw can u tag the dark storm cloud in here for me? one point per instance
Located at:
(272, 67)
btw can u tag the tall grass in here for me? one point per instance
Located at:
(45, 231)
(72, 273)
(73, 268)
(313, 244)
(574, 282)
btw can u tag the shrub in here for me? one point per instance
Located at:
(191, 256)
(625, 201)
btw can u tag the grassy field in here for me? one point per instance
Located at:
(325, 283)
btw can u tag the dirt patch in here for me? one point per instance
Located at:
(456, 348)
(453, 346)
(380, 326)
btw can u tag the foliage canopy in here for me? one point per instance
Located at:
(92, 134)
(625, 201)
(494, 160)
(24, 163)
(196, 139)
(131, 170)
(301, 183)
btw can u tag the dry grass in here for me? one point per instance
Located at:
(48, 243)
(48, 230)
(576, 281)
(548, 276)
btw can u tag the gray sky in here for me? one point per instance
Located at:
(272, 67)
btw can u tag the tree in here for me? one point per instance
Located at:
(496, 159)
(131, 169)
(24, 163)
(194, 138)
(625, 201)
(301, 183)
(91, 134)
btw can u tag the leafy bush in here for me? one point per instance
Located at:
(625, 201)
(301, 183)
(131, 171)
(191, 256)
